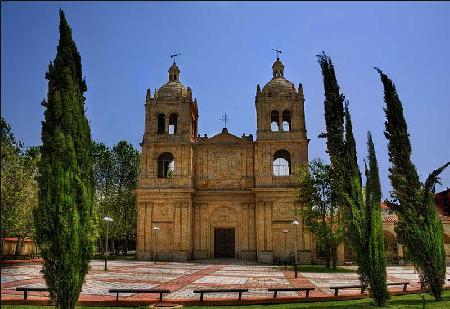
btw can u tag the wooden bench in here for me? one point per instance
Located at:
(337, 288)
(275, 290)
(405, 284)
(156, 291)
(202, 291)
(31, 289)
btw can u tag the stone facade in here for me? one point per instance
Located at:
(230, 196)
(202, 197)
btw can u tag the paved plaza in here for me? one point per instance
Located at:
(183, 278)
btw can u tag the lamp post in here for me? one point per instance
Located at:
(107, 220)
(295, 223)
(285, 231)
(155, 229)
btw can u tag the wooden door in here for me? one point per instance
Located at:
(224, 243)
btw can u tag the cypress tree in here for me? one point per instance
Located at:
(375, 250)
(419, 227)
(347, 186)
(353, 200)
(65, 219)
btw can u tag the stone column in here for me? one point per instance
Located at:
(148, 232)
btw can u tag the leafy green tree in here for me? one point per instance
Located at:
(127, 160)
(65, 218)
(116, 176)
(104, 185)
(419, 227)
(18, 187)
(347, 187)
(320, 214)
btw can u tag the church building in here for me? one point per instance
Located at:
(224, 196)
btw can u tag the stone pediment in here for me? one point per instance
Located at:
(225, 138)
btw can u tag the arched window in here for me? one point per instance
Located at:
(173, 124)
(274, 121)
(281, 163)
(166, 165)
(286, 120)
(161, 123)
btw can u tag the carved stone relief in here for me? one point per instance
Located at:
(224, 164)
(282, 211)
(163, 212)
(224, 215)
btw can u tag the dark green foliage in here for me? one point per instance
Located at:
(65, 219)
(347, 188)
(374, 231)
(320, 214)
(419, 228)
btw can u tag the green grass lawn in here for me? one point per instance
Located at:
(406, 301)
(318, 269)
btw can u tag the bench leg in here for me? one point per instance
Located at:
(25, 295)
(275, 293)
(160, 296)
(201, 296)
(307, 293)
(336, 292)
(117, 297)
(240, 295)
(362, 290)
(404, 287)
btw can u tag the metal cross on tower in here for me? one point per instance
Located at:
(278, 52)
(225, 119)
(174, 56)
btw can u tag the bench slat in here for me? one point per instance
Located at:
(156, 291)
(337, 288)
(31, 289)
(220, 290)
(138, 291)
(202, 291)
(346, 287)
(25, 290)
(275, 290)
(405, 284)
(289, 289)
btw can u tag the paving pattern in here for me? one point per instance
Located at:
(183, 278)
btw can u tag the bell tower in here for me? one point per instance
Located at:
(281, 130)
(165, 188)
(171, 115)
(281, 147)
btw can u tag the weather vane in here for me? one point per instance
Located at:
(225, 119)
(174, 56)
(278, 52)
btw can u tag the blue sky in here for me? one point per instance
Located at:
(226, 51)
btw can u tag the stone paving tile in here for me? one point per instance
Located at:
(268, 281)
(161, 278)
(245, 273)
(322, 281)
(173, 271)
(183, 278)
(95, 287)
(221, 280)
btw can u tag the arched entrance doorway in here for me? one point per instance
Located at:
(224, 233)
